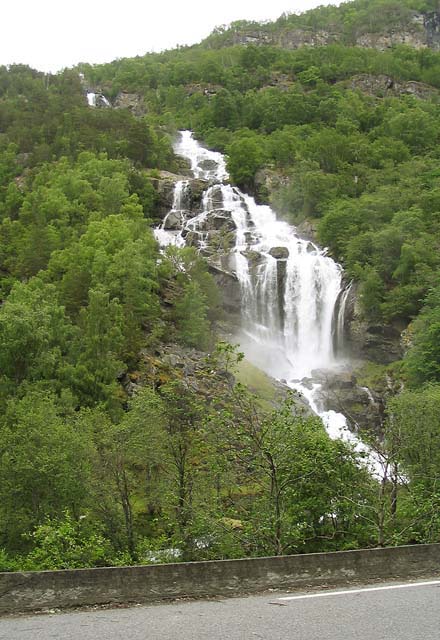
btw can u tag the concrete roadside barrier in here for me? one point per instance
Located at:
(30, 591)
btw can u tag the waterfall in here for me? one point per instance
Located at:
(290, 288)
(97, 99)
(293, 297)
(339, 319)
(167, 234)
(91, 99)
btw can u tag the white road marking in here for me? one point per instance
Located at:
(327, 594)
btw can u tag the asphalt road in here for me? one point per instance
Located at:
(381, 612)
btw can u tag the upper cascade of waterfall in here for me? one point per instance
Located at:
(205, 164)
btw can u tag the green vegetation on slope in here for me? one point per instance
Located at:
(111, 451)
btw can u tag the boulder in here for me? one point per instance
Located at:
(280, 253)
(216, 222)
(174, 220)
(222, 222)
(229, 287)
(343, 380)
(208, 165)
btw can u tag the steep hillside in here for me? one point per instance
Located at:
(124, 435)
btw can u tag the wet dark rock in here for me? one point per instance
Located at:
(216, 198)
(366, 340)
(229, 287)
(341, 392)
(174, 220)
(280, 253)
(308, 382)
(165, 186)
(192, 238)
(208, 165)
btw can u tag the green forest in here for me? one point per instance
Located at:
(113, 449)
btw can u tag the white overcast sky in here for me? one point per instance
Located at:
(52, 34)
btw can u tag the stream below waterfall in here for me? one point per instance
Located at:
(293, 294)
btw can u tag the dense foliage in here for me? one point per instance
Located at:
(111, 451)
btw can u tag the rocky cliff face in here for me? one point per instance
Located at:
(371, 341)
(384, 86)
(131, 101)
(422, 31)
(164, 186)
(432, 29)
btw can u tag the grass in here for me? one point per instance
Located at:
(267, 390)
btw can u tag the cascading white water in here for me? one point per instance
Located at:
(94, 98)
(293, 300)
(289, 286)
(293, 291)
(91, 99)
(205, 164)
(339, 318)
(163, 234)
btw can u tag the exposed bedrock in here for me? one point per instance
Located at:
(377, 342)
(341, 391)
(165, 185)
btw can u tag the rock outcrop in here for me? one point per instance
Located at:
(367, 340)
(280, 253)
(384, 86)
(420, 30)
(164, 186)
(340, 391)
(131, 101)
(229, 286)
